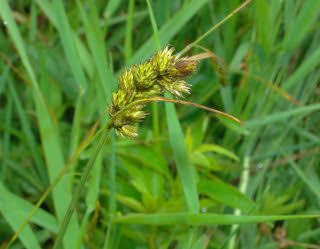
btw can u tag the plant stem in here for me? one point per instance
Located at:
(182, 102)
(240, 7)
(243, 188)
(80, 189)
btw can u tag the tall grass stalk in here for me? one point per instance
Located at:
(84, 177)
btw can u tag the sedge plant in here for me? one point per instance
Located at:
(128, 109)
(139, 85)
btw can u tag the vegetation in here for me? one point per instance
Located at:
(191, 178)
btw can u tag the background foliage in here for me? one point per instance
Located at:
(59, 62)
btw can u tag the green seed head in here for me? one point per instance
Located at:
(163, 72)
(145, 75)
(163, 61)
(126, 81)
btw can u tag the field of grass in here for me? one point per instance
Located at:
(192, 179)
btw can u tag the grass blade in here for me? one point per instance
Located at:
(96, 44)
(68, 43)
(178, 145)
(168, 30)
(281, 116)
(26, 127)
(225, 193)
(184, 167)
(204, 219)
(6, 140)
(48, 131)
(129, 32)
(11, 212)
(41, 218)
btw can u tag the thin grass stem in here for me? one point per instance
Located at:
(88, 168)
(231, 14)
(182, 102)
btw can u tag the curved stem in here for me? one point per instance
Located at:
(182, 102)
(81, 187)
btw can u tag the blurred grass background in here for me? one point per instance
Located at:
(59, 63)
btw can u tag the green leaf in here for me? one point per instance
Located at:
(12, 213)
(225, 193)
(181, 158)
(204, 219)
(217, 149)
(41, 218)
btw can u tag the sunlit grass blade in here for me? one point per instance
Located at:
(204, 219)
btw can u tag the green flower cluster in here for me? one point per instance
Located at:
(163, 72)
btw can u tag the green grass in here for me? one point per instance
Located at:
(191, 179)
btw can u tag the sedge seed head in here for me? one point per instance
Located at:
(145, 75)
(162, 72)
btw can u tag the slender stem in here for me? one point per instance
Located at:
(112, 174)
(243, 188)
(81, 187)
(240, 7)
(112, 195)
(182, 102)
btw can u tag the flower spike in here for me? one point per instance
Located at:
(163, 72)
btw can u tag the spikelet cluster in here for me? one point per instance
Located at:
(162, 72)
